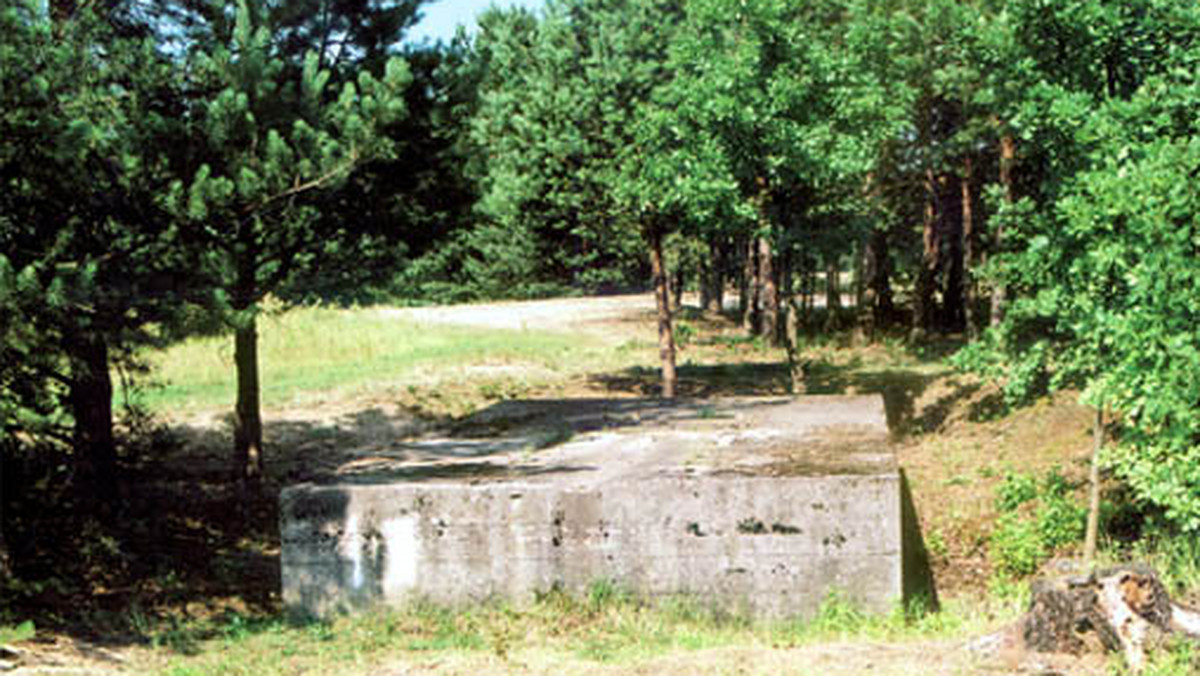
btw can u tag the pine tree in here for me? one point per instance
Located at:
(87, 258)
(268, 149)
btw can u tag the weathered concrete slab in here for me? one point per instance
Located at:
(761, 505)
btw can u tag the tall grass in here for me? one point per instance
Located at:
(321, 349)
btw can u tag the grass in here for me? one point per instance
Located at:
(323, 349)
(13, 633)
(558, 631)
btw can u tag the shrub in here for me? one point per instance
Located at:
(1024, 538)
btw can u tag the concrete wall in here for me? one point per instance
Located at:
(772, 546)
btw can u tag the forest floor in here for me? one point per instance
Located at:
(199, 589)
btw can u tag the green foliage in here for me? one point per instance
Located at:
(555, 117)
(24, 631)
(1102, 257)
(87, 257)
(270, 145)
(1016, 490)
(1036, 520)
(1016, 548)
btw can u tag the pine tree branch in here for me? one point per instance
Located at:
(299, 188)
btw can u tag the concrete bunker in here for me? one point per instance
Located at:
(763, 505)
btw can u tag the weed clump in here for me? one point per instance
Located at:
(1037, 519)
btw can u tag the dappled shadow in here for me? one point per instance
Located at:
(474, 472)
(102, 572)
(900, 388)
(715, 380)
(988, 407)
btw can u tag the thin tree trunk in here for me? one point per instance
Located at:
(877, 302)
(91, 406)
(677, 287)
(1008, 154)
(247, 431)
(857, 265)
(833, 284)
(808, 285)
(796, 369)
(1093, 518)
(785, 272)
(769, 327)
(968, 250)
(662, 295)
(868, 314)
(833, 293)
(750, 314)
(743, 281)
(923, 294)
(716, 277)
(5, 563)
(950, 251)
(706, 285)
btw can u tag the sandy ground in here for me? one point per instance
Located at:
(838, 658)
(613, 318)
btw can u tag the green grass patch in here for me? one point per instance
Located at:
(13, 633)
(323, 349)
(603, 626)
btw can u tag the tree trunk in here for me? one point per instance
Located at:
(1093, 518)
(833, 284)
(677, 290)
(769, 326)
(706, 275)
(4, 560)
(750, 315)
(922, 318)
(662, 295)
(1008, 155)
(857, 265)
(90, 399)
(247, 431)
(797, 370)
(716, 277)
(868, 312)
(968, 250)
(808, 293)
(877, 305)
(785, 273)
(950, 251)
(833, 294)
(743, 281)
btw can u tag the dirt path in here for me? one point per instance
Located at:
(835, 658)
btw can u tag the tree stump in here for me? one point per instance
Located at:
(1123, 609)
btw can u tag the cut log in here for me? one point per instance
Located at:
(1124, 609)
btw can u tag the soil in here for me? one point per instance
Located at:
(839, 658)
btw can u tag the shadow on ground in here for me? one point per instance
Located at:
(900, 388)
